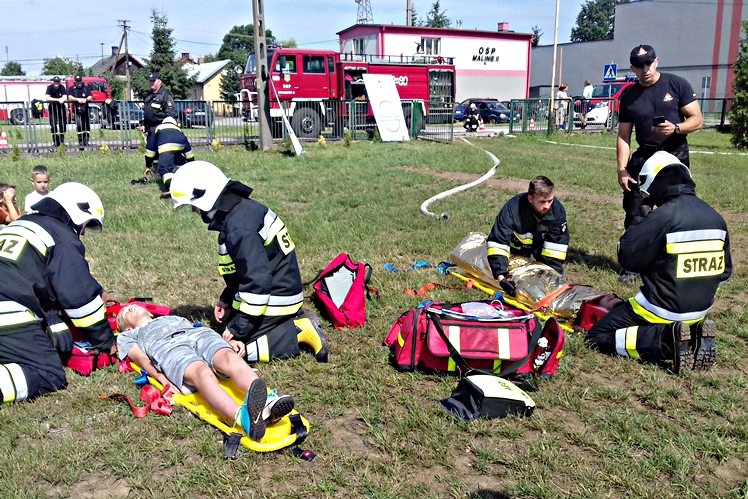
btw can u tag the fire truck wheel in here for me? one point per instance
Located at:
(306, 123)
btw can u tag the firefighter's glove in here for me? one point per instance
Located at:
(508, 286)
(62, 339)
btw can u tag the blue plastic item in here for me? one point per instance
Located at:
(142, 380)
(389, 268)
(421, 265)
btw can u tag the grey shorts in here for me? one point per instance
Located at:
(194, 345)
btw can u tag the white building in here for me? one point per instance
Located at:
(492, 64)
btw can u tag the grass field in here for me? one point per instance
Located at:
(604, 427)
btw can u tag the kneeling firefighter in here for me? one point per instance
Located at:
(682, 251)
(43, 274)
(261, 304)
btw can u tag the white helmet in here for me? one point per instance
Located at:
(81, 203)
(652, 167)
(198, 184)
(169, 120)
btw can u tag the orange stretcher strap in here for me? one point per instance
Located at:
(546, 301)
(158, 402)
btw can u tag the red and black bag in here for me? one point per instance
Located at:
(594, 309)
(341, 289)
(443, 338)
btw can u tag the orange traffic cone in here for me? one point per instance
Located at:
(3, 139)
(532, 124)
(481, 126)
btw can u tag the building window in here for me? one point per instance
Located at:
(358, 46)
(430, 46)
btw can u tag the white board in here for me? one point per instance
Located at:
(387, 108)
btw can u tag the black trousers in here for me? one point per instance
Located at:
(58, 123)
(634, 166)
(83, 126)
(269, 338)
(27, 346)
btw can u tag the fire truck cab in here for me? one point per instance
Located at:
(321, 88)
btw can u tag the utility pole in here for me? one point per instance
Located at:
(125, 27)
(261, 70)
(102, 50)
(553, 73)
(409, 20)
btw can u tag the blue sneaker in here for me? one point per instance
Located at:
(277, 406)
(250, 411)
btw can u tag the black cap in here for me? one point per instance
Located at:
(154, 76)
(56, 79)
(78, 78)
(642, 54)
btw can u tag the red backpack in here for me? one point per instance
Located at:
(342, 289)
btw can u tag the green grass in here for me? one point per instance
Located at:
(604, 427)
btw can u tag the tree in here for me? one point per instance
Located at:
(595, 21)
(173, 75)
(116, 85)
(60, 66)
(538, 33)
(12, 68)
(437, 18)
(237, 45)
(288, 43)
(739, 111)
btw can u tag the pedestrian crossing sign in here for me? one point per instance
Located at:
(611, 72)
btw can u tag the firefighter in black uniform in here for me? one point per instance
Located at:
(532, 225)
(682, 251)
(157, 106)
(57, 95)
(43, 274)
(261, 304)
(80, 95)
(170, 147)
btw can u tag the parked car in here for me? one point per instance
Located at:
(193, 113)
(517, 109)
(605, 99)
(490, 110)
(128, 115)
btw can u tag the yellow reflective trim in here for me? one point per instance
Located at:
(400, 339)
(700, 264)
(522, 240)
(646, 314)
(225, 259)
(7, 387)
(16, 318)
(560, 354)
(453, 333)
(177, 194)
(263, 349)
(631, 335)
(23, 232)
(498, 252)
(268, 311)
(190, 155)
(274, 230)
(255, 310)
(227, 269)
(162, 150)
(497, 364)
(91, 319)
(694, 246)
(558, 255)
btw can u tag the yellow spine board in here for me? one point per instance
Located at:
(509, 300)
(277, 436)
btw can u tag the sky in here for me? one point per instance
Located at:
(34, 30)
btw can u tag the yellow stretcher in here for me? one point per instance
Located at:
(290, 431)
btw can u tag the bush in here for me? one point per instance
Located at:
(739, 111)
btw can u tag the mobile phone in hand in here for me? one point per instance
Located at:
(659, 120)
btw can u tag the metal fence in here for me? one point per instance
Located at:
(534, 116)
(227, 122)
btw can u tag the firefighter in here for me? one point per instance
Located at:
(56, 96)
(170, 147)
(261, 304)
(43, 274)
(532, 225)
(682, 251)
(80, 95)
(158, 105)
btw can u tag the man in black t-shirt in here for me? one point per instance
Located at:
(80, 95)
(57, 95)
(663, 109)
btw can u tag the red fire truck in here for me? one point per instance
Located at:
(321, 88)
(17, 93)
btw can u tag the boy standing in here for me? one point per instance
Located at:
(182, 356)
(40, 181)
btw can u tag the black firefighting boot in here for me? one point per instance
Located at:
(706, 348)
(676, 348)
(311, 335)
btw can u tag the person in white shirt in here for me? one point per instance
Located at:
(561, 104)
(40, 181)
(586, 98)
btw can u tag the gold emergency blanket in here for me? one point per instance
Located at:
(537, 285)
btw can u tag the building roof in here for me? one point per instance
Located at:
(428, 31)
(204, 72)
(107, 63)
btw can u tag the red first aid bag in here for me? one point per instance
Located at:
(444, 338)
(341, 289)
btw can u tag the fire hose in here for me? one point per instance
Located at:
(445, 216)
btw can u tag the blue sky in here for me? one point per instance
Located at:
(33, 30)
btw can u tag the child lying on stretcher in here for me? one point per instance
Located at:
(182, 356)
